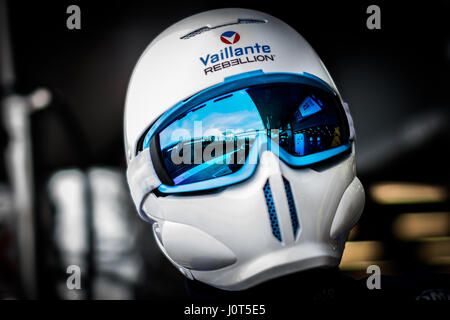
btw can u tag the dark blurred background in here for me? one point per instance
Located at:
(396, 81)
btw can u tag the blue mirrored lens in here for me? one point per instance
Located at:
(213, 139)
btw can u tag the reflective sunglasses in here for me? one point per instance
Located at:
(215, 138)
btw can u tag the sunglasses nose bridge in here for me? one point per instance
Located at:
(270, 162)
(267, 142)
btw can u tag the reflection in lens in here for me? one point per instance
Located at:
(310, 119)
(214, 139)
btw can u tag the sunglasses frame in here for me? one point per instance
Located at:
(262, 141)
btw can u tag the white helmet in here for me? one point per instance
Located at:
(285, 196)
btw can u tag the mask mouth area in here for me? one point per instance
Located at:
(212, 143)
(272, 211)
(292, 209)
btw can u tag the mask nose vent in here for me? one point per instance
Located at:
(292, 211)
(272, 211)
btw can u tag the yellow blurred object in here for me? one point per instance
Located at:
(361, 254)
(402, 192)
(435, 251)
(413, 226)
